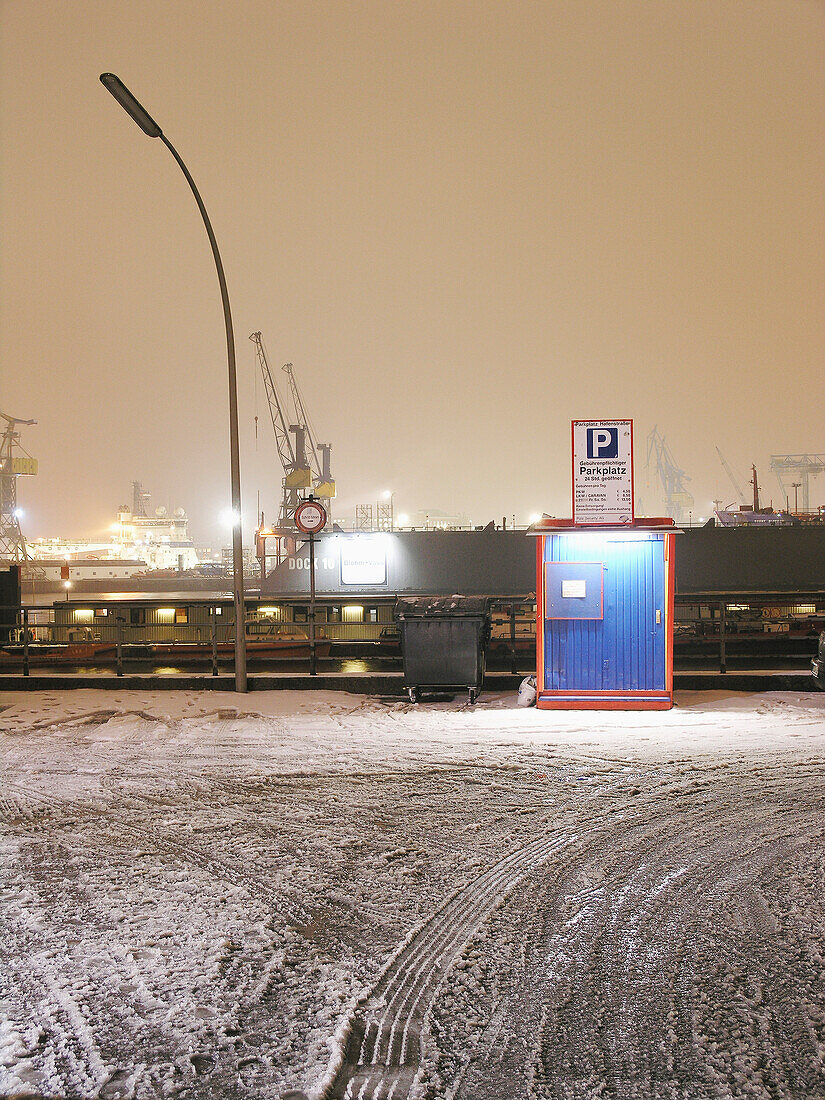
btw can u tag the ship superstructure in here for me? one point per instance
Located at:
(158, 538)
(145, 539)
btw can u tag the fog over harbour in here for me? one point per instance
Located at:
(464, 224)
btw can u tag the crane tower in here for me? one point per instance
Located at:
(740, 492)
(13, 462)
(323, 484)
(306, 464)
(801, 466)
(678, 501)
(297, 471)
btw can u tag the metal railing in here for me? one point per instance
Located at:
(711, 628)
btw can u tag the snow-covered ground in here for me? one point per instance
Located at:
(208, 895)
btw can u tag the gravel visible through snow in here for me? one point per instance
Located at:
(210, 895)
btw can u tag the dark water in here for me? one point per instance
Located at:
(355, 665)
(352, 665)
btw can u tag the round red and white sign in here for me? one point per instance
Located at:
(310, 517)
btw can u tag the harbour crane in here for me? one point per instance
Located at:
(297, 471)
(800, 468)
(740, 492)
(12, 465)
(678, 501)
(323, 483)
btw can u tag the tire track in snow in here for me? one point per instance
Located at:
(382, 1053)
(615, 998)
(295, 914)
(76, 1062)
(383, 1048)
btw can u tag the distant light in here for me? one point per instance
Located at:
(67, 584)
(403, 520)
(387, 493)
(230, 518)
(19, 513)
(535, 517)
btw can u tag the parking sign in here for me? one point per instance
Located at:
(602, 472)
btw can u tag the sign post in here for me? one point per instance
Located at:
(312, 657)
(603, 473)
(310, 518)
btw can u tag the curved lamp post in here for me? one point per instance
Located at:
(145, 121)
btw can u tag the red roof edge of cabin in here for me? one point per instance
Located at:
(548, 524)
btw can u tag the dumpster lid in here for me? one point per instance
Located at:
(421, 607)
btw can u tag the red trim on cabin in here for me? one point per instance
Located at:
(670, 597)
(583, 699)
(539, 615)
(645, 523)
(586, 693)
(605, 704)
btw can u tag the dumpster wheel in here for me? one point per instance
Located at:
(413, 694)
(473, 695)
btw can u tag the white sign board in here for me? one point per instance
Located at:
(364, 560)
(602, 472)
(574, 590)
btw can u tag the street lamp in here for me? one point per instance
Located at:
(145, 121)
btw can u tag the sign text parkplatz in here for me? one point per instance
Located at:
(602, 472)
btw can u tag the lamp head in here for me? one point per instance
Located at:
(130, 105)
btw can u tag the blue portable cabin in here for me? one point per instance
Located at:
(605, 611)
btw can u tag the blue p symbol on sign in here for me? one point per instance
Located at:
(602, 442)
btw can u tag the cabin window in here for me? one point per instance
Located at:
(181, 614)
(137, 616)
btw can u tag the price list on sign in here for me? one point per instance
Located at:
(602, 472)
